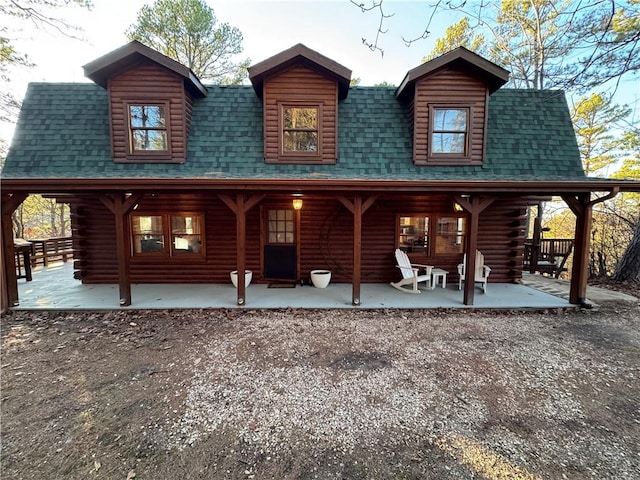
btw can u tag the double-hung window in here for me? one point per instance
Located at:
(148, 128)
(300, 130)
(449, 132)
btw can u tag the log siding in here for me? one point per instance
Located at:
(325, 236)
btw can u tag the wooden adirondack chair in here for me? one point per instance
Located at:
(481, 274)
(411, 273)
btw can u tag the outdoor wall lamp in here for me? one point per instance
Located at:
(297, 204)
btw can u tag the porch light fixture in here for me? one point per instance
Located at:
(297, 204)
(457, 207)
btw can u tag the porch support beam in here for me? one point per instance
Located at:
(240, 206)
(582, 207)
(9, 287)
(121, 205)
(474, 206)
(357, 207)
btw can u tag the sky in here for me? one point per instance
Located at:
(334, 28)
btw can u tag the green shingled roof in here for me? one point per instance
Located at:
(63, 132)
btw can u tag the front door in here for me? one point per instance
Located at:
(279, 244)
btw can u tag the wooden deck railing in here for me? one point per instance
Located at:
(552, 255)
(45, 250)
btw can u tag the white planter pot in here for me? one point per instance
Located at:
(320, 278)
(248, 275)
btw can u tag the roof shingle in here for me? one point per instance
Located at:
(63, 132)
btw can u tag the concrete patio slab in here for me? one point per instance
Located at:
(53, 288)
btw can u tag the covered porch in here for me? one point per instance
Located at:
(54, 288)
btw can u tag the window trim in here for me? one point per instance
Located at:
(299, 156)
(437, 158)
(168, 252)
(153, 156)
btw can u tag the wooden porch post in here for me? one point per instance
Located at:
(475, 206)
(535, 247)
(120, 205)
(357, 208)
(582, 207)
(240, 206)
(9, 297)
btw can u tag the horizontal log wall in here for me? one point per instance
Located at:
(304, 86)
(449, 87)
(151, 83)
(326, 236)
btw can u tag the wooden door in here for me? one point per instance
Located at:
(280, 244)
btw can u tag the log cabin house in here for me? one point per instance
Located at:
(172, 181)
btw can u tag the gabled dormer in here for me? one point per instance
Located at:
(300, 90)
(150, 102)
(448, 101)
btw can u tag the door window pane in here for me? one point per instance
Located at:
(280, 226)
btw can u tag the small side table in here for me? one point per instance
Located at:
(438, 273)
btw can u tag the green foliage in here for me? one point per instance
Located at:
(354, 82)
(532, 39)
(13, 16)
(385, 85)
(567, 44)
(457, 35)
(40, 217)
(593, 119)
(630, 169)
(188, 31)
(611, 36)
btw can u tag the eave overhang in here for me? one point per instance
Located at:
(493, 75)
(123, 58)
(300, 55)
(318, 185)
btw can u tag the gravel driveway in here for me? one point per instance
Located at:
(325, 394)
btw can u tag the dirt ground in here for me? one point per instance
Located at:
(327, 394)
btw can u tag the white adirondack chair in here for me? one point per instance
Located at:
(411, 273)
(481, 274)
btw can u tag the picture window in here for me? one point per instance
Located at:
(432, 235)
(168, 235)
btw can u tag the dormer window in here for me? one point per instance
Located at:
(300, 130)
(147, 128)
(449, 131)
(151, 97)
(448, 100)
(300, 91)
